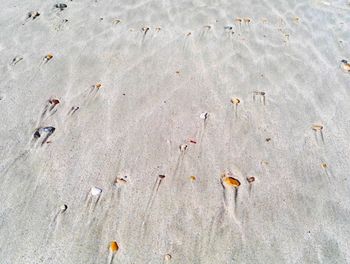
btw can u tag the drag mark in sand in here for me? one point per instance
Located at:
(152, 197)
(260, 95)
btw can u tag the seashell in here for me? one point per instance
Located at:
(63, 208)
(235, 101)
(48, 57)
(37, 134)
(95, 191)
(49, 130)
(204, 115)
(167, 257)
(33, 14)
(116, 21)
(113, 246)
(317, 127)
(16, 59)
(193, 178)
(230, 181)
(161, 176)
(98, 85)
(54, 101)
(61, 6)
(345, 66)
(247, 20)
(183, 147)
(119, 181)
(251, 179)
(324, 165)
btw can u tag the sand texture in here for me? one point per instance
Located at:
(174, 132)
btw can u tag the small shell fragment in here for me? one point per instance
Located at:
(54, 101)
(324, 165)
(345, 66)
(230, 181)
(95, 191)
(317, 127)
(251, 179)
(235, 101)
(63, 208)
(204, 115)
(119, 181)
(48, 57)
(98, 85)
(113, 246)
(167, 257)
(193, 178)
(33, 14)
(183, 147)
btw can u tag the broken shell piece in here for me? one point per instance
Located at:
(61, 6)
(193, 178)
(116, 21)
(33, 14)
(113, 246)
(95, 191)
(54, 101)
(251, 179)
(317, 127)
(63, 208)
(48, 57)
(167, 257)
(145, 29)
(16, 59)
(247, 20)
(48, 129)
(98, 85)
(183, 147)
(119, 181)
(204, 115)
(324, 165)
(235, 101)
(230, 181)
(345, 66)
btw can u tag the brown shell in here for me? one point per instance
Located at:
(230, 181)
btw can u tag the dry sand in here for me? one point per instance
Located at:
(160, 65)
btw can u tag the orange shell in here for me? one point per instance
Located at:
(98, 85)
(113, 246)
(193, 178)
(231, 181)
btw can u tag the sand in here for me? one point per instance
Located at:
(126, 83)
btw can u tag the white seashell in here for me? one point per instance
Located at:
(183, 147)
(95, 191)
(204, 115)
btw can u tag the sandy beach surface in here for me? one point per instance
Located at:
(174, 132)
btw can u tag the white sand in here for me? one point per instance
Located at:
(154, 88)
